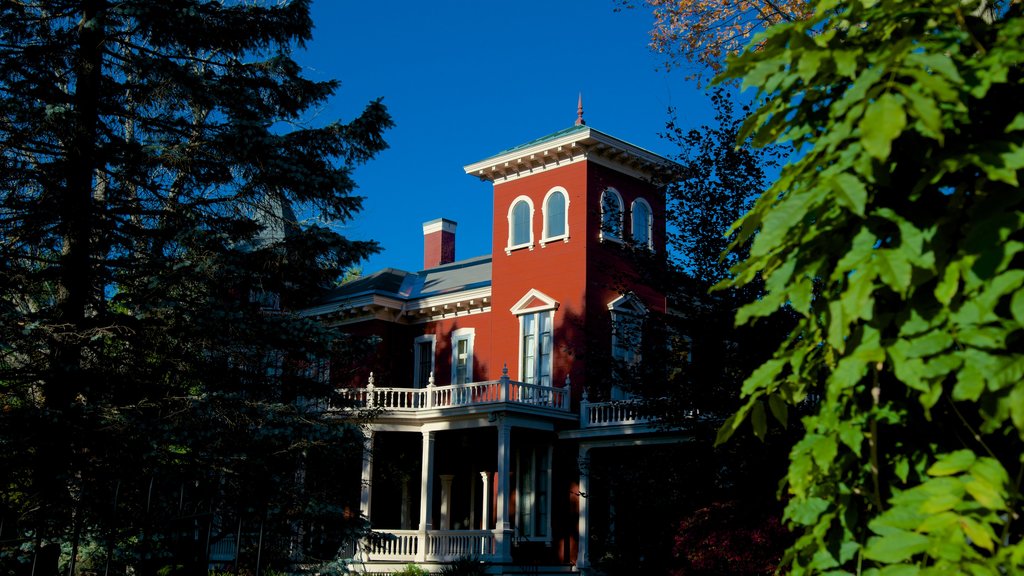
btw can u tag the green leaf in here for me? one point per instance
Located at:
(810, 62)
(894, 268)
(758, 420)
(895, 547)
(779, 409)
(824, 451)
(850, 192)
(948, 286)
(846, 62)
(980, 534)
(985, 493)
(952, 463)
(882, 123)
(806, 512)
(1016, 124)
(1017, 306)
(836, 326)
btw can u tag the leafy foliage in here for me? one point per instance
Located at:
(896, 238)
(152, 380)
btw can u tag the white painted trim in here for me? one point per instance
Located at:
(519, 307)
(416, 357)
(587, 143)
(546, 238)
(509, 246)
(628, 303)
(538, 310)
(649, 223)
(468, 334)
(439, 225)
(602, 235)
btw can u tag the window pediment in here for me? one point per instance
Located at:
(534, 301)
(628, 304)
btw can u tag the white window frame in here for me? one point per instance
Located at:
(416, 358)
(459, 335)
(649, 225)
(621, 308)
(536, 303)
(509, 246)
(606, 235)
(546, 236)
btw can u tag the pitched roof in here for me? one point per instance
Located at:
(410, 291)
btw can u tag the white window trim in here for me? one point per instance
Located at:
(625, 305)
(649, 223)
(468, 334)
(546, 238)
(509, 247)
(520, 309)
(604, 236)
(416, 357)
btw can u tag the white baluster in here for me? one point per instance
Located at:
(369, 392)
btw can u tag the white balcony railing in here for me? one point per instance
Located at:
(619, 413)
(474, 393)
(437, 545)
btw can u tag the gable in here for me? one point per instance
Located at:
(534, 301)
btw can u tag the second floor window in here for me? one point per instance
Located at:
(556, 222)
(611, 215)
(642, 223)
(535, 364)
(462, 356)
(423, 360)
(520, 224)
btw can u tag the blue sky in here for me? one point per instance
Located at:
(466, 79)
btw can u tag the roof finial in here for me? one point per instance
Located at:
(579, 112)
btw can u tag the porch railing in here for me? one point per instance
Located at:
(440, 545)
(474, 393)
(619, 413)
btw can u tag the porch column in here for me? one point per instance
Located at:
(366, 491)
(485, 522)
(583, 546)
(426, 493)
(503, 524)
(446, 501)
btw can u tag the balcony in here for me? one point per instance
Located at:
(487, 394)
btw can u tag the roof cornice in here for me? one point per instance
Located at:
(585, 143)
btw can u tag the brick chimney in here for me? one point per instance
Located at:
(438, 242)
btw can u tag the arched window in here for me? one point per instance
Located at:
(556, 216)
(520, 224)
(611, 215)
(642, 222)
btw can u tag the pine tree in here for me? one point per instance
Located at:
(150, 367)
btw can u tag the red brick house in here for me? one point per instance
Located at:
(483, 371)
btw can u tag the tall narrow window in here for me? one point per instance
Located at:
(423, 360)
(642, 222)
(627, 315)
(536, 348)
(611, 215)
(462, 356)
(533, 470)
(520, 224)
(536, 312)
(556, 216)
